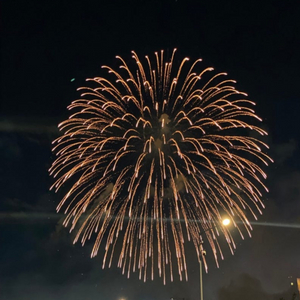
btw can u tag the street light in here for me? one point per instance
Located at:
(225, 222)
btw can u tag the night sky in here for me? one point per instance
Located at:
(45, 44)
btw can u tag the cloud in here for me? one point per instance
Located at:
(284, 151)
(244, 287)
(247, 287)
(22, 125)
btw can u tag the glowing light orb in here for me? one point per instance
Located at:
(226, 222)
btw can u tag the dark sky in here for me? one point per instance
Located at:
(47, 43)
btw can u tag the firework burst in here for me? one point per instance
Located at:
(157, 155)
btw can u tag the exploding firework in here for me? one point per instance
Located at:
(158, 155)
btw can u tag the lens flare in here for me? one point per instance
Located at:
(151, 145)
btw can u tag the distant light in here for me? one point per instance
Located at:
(73, 79)
(226, 222)
(292, 283)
